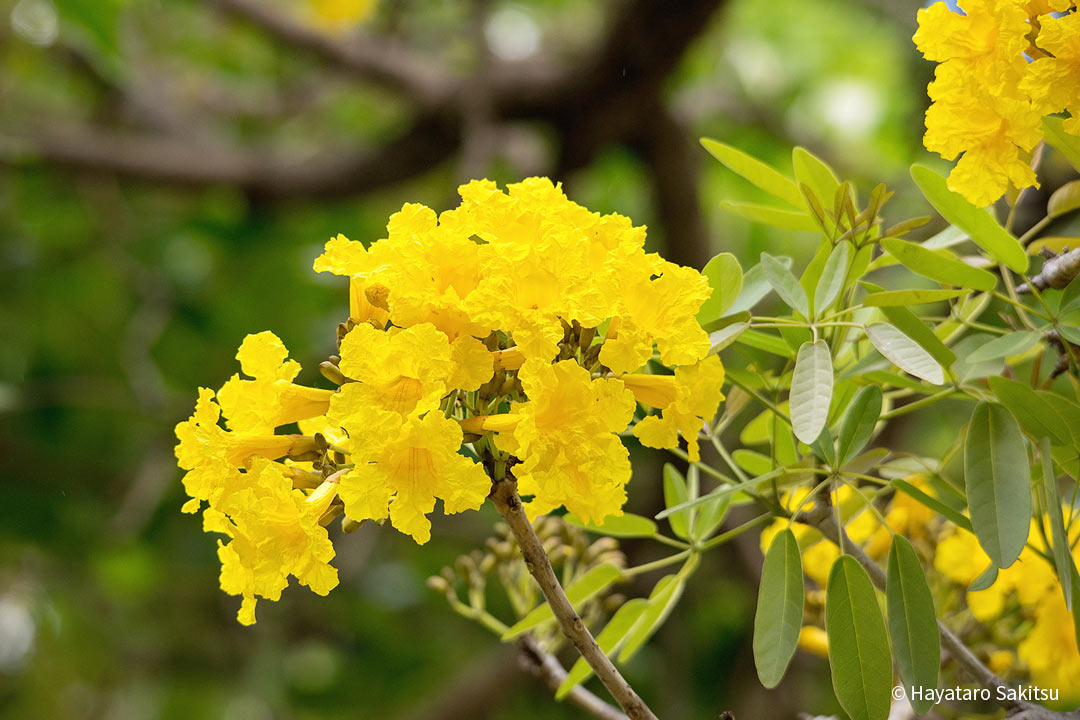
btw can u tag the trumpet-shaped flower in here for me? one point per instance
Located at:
(403, 464)
(270, 399)
(211, 455)
(660, 310)
(685, 399)
(1054, 81)
(275, 533)
(979, 109)
(566, 440)
(399, 370)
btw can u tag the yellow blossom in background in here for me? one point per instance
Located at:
(275, 533)
(814, 640)
(567, 440)
(686, 400)
(341, 14)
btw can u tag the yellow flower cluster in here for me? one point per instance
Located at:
(510, 335)
(988, 101)
(1029, 588)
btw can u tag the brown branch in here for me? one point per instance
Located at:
(546, 666)
(536, 560)
(824, 520)
(379, 60)
(675, 175)
(164, 158)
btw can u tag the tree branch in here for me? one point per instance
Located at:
(381, 61)
(824, 520)
(545, 666)
(168, 159)
(536, 560)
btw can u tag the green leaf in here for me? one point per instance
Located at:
(979, 224)
(626, 525)
(755, 287)
(812, 274)
(832, 278)
(825, 447)
(587, 586)
(811, 390)
(776, 217)
(1065, 143)
(812, 171)
(675, 493)
(665, 594)
(756, 172)
(785, 284)
(1070, 296)
(859, 421)
(1067, 410)
(1063, 560)
(1006, 345)
(764, 341)
(901, 298)
(933, 503)
(998, 482)
(966, 371)
(720, 339)
(711, 516)
(725, 277)
(939, 265)
(912, 622)
(779, 609)
(1033, 413)
(986, 579)
(1064, 200)
(1070, 333)
(905, 353)
(858, 643)
(609, 640)
(752, 461)
(911, 325)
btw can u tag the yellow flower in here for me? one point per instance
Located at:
(814, 640)
(398, 370)
(275, 533)
(403, 465)
(660, 310)
(686, 400)
(978, 108)
(342, 14)
(367, 300)
(1050, 649)
(211, 455)
(270, 399)
(566, 440)
(1054, 81)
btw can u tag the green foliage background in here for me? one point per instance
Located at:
(119, 298)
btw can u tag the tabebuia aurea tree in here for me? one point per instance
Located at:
(505, 351)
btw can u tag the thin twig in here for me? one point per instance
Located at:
(536, 560)
(823, 520)
(546, 666)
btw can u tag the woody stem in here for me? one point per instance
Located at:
(507, 501)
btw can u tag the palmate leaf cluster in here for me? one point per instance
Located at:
(877, 326)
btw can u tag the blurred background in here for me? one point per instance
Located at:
(168, 171)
